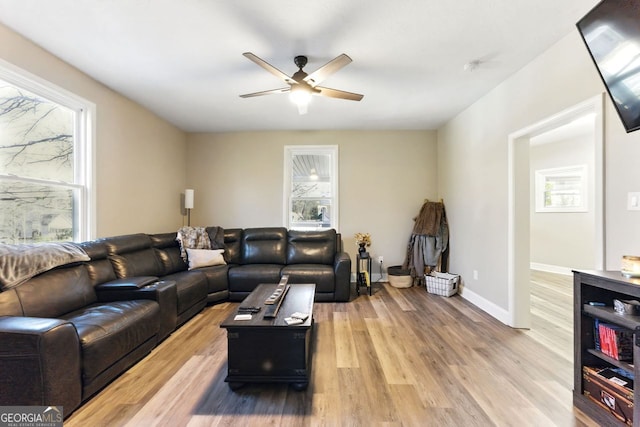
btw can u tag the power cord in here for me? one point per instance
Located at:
(380, 278)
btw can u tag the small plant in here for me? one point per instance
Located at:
(363, 239)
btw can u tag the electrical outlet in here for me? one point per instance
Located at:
(633, 201)
(475, 274)
(380, 259)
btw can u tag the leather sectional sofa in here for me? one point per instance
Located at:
(67, 332)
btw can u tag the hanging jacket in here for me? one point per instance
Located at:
(429, 239)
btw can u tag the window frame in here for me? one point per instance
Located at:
(83, 147)
(541, 178)
(293, 150)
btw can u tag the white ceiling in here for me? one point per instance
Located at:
(183, 59)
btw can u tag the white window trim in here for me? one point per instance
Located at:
(289, 152)
(541, 179)
(84, 141)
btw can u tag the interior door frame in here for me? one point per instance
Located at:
(518, 263)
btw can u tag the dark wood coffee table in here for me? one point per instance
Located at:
(269, 350)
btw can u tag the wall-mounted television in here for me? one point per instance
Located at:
(611, 31)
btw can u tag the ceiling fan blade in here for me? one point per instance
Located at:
(341, 94)
(270, 68)
(327, 69)
(266, 92)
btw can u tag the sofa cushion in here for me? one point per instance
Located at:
(167, 249)
(171, 260)
(109, 331)
(164, 240)
(141, 263)
(191, 288)
(322, 275)
(311, 247)
(232, 244)
(99, 267)
(133, 255)
(217, 278)
(127, 243)
(264, 245)
(56, 292)
(245, 278)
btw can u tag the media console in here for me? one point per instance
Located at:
(594, 295)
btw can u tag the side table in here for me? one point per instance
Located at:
(363, 271)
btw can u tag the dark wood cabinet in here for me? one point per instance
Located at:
(268, 349)
(592, 288)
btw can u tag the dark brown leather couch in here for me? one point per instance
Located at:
(263, 255)
(60, 342)
(68, 332)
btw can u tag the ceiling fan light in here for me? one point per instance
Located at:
(314, 175)
(300, 95)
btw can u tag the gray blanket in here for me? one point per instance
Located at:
(19, 263)
(192, 238)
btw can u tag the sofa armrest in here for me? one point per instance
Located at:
(342, 271)
(162, 291)
(127, 283)
(40, 363)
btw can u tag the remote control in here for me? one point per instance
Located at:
(274, 301)
(301, 316)
(293, 321)
(276, 295)
(243, 309)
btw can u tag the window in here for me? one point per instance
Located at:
(311, 187)
(561, 189)
(44, 161)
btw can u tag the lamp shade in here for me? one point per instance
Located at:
(188, 198)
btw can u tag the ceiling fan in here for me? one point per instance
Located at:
(303, 85)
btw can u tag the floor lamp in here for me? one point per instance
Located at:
(188, 204)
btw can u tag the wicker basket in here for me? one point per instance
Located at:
(443, 284)
(399, 277)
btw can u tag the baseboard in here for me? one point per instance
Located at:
(551, 268)
(485, 305)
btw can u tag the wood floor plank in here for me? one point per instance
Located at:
(401, 357)
(552, 312)
(387, 354)
(346, 355)
(174, 402)
(400, 297)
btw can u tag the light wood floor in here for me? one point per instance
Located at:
(552, 312)
(401, 357)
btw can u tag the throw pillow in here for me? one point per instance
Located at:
(204, 257)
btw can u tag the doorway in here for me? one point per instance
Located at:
(590, 113)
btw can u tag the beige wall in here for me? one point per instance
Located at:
(473, 160)
(140, 158)
(384, 179)
(563, 239)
